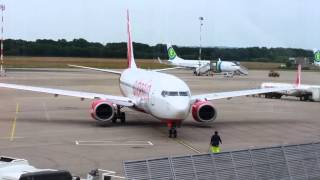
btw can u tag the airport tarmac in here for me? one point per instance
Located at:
(59, 133)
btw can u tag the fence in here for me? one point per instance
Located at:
(282, 162)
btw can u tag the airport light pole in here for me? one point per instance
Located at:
(2, 71)
(201, 24)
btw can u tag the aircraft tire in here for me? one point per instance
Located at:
(175, 133)
(114, 120)
(122, 117)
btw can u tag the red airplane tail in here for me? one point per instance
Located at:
(298, 79)
(130, 57)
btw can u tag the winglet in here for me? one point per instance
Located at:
(298, 79)
(130, 57)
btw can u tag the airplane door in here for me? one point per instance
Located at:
(152, 99)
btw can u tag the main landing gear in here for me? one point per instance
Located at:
(172, 129)
(119, 115)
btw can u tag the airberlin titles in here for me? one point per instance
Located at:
(140, 88)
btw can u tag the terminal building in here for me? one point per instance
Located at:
(304, 61)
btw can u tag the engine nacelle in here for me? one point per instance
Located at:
(203, 111)
(102, 110)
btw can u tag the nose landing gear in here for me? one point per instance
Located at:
(173, 133)
(172, 129)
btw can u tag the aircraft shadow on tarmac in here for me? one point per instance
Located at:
(155, 123)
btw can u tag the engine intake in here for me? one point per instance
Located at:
(203, 111)
(102, 110)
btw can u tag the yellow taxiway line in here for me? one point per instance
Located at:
(187, 145)
(183, 143)
(13, 128)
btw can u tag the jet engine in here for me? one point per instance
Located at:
(203, 111)
(102, 110)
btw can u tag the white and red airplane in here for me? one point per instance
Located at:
(163, 96)
(304, 92)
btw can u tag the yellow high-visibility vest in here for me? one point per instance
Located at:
(215, 149)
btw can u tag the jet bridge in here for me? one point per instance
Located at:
(242, 71)
(203, 69)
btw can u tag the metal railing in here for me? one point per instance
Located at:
(281, 162)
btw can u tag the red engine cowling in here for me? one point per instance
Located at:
(203, 111)
(102, 110)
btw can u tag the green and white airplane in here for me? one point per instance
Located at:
(317, 57)
(200, 67)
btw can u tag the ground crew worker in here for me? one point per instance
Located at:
(215, 141)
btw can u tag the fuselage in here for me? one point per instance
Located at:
(164, 96)
(189, 63)
(220, 66)
(226, 66)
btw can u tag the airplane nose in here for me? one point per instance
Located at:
(179, 108)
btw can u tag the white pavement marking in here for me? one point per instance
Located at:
(46, 111)
(10, 137)
(113, 143)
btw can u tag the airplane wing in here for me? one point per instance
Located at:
(165, 69)
(180, 66)
(231, 94)
(119, 100)
(96, 69)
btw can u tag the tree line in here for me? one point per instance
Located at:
(82, 48)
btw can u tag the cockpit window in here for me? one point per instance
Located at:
(174, 93)
(164, 93)
(183, 93)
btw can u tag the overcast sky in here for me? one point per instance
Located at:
(232, 23)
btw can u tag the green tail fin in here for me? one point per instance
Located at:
(171, 53)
